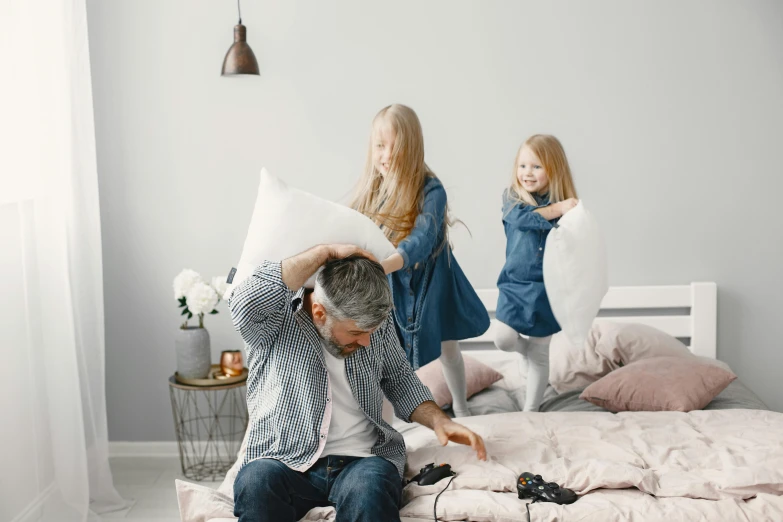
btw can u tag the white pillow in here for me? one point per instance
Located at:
(575, 272)
(287, 221)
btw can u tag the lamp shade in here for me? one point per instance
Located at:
(240, 58)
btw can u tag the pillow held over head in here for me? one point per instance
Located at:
(287, 221)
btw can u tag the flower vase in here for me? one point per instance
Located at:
(193, 352)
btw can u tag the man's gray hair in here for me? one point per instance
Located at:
(354, 288)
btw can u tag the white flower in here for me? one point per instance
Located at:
(184, 282)
(220, 285)
(202, 298)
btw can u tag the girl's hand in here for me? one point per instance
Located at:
(567, 205)
(392, 263)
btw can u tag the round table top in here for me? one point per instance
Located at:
(175, 384)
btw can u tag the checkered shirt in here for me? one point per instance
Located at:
(288, 393)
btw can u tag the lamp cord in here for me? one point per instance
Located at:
(239, 10)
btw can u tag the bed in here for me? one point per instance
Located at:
(686, 312)
(721, 463)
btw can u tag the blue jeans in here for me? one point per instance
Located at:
(365, 489)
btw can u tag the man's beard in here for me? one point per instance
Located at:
(331, 344)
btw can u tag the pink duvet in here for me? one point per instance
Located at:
(704, 465)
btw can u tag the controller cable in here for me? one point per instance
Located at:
(528, 508)
(435, 509)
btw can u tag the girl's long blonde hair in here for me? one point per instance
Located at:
(553, 158)
(395, 200)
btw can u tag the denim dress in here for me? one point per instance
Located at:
(433, 299)
(522, 300)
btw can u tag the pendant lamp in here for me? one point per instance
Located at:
(240, 58)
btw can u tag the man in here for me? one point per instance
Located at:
(320, 363)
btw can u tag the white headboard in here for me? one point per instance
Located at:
(687, 311)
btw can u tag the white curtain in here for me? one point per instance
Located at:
(50, 224)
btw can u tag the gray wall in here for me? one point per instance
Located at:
(671, 114)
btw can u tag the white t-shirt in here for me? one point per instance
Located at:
(351, 433)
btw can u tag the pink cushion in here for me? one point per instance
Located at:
(478, 376)
(623, 344)
(671, 383)
(574, 366)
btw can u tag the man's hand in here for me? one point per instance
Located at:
(451, 431)
(341, 251)
(429, 414)
(298, 269)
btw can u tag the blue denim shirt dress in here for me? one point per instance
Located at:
(433, 299)
(522, 300)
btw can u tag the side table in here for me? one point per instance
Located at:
(210, 422)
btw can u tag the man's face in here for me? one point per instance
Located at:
(342, 338)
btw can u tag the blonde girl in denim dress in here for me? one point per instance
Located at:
(434, 303)
(541, 192)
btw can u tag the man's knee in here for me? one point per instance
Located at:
(260, 477)
(373, 480)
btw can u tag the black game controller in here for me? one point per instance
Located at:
(534, 487)
(430, 474)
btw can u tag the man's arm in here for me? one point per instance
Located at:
(256, 302)
(429, 414)
(298, 269)
(259, 298)
(413, 401)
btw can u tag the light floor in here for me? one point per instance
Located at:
(149, 483)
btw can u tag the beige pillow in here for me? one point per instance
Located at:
(199, 503)
(623, 344)
(671, 383)
(572, 367)
(608, 347)
(478, 376)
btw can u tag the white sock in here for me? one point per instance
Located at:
(534, 353)
(454, 373)
(508, 340)
(537, 357)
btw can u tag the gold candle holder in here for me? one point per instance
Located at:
(231, 362)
